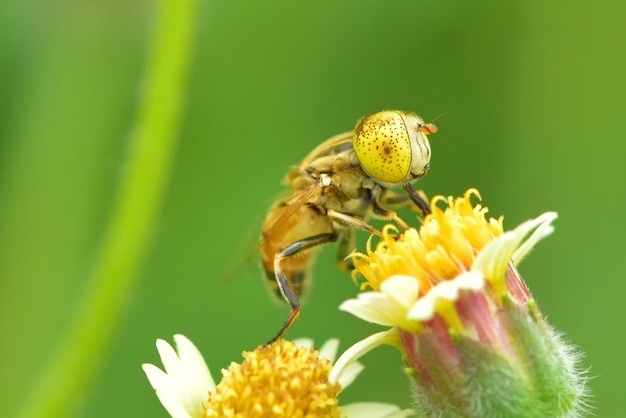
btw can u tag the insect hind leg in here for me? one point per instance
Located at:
(282, 281)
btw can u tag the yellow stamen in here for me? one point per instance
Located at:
(279, 380)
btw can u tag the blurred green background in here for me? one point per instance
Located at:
(534, 101)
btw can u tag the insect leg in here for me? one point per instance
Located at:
(283, 283)
(350, 220)
(403, 200)
(346, 244)
(417, 199)
(386, 214)
(394, 199)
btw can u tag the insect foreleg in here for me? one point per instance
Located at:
(382, 213)
(283, 283)
(394, 199)
(417, 199)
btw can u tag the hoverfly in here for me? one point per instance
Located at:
(341, 184)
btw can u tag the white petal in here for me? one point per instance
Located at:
(165, 391)
(168, 355)
(352, 354)
(389, 306)
(329, 349)
(350, 373)
(177, 386)
(401, 288)
(154, 374)
(424, 308)
(542, 231)
(199, 380)
(183, 387)
(373, 410)
(493, 259)
(370, 307)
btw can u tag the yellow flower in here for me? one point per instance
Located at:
(284, 379)
(419, 274)
(473, 338)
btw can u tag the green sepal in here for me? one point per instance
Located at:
(532, 375)
(547, 362)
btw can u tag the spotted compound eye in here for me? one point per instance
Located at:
(392, 147)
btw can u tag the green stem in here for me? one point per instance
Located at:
(132, 219)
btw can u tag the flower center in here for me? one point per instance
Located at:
(278, 380)
(445, 246)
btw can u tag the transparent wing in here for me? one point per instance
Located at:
(332, 145)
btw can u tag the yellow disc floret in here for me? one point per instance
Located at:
(277, 380)
(445, 246)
